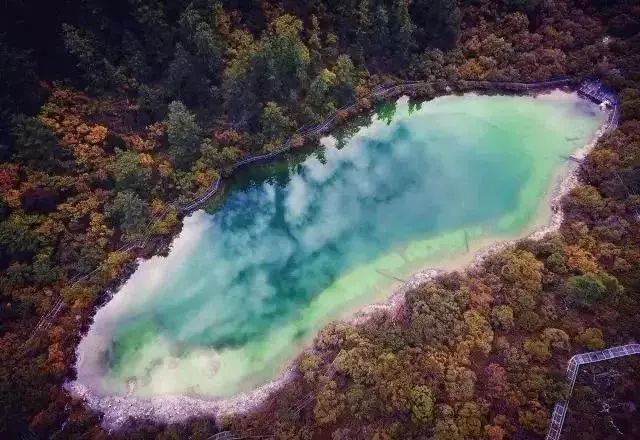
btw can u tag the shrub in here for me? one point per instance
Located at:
(538, 349)
(587, 197)
(502, 317)
(422, 405)
(585, 290)
(529, 321)
(591, 338)
(557, 338)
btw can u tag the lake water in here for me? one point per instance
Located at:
(297, 243)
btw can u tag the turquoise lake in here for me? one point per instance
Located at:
(297, 243)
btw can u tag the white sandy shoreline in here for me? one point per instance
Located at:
(118, 410)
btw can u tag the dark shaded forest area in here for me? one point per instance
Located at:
(605, 401)
(111, 110)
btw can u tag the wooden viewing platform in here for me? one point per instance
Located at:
(607, 99)
(597, 92)
(560, 409)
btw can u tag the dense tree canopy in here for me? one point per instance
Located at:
(111, 111)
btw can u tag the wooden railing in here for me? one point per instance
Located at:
(560, 409)
(380, 91)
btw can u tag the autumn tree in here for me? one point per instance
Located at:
(591, 338)
(436, 317)
(537, 348)
(446, 426)
(460, 383)
(588, 197)
(558, 339)
(470, 420)
(422, 405)
(502, 317)
(496, 380)
(533, 417)
(329, 404)
(480, 333)
(523, 270)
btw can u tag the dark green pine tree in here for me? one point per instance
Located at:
(363, 30)
(402, 31)
(381, 31)
(437, 22)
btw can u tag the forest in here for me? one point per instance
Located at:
(111, 111)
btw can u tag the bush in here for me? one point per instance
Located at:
(422, 405)
(502, 317)
(591, 338)
(557, 338)
(585, 290)
(538, 349)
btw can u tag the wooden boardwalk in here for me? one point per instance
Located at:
(601, 95)
(560, 409)
(379, 92)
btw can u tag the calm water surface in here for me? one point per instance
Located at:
(295, 244)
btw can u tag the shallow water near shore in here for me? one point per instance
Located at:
(297, 243)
